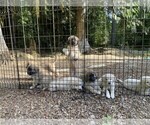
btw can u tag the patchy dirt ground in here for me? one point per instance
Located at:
(71, 105)
(24, 103)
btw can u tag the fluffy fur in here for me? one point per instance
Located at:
(44, 81)
(49, 67)
(91, 83)
(104, 85)
(66, 83)
(36, 74)
(107, 83)
(142, 86)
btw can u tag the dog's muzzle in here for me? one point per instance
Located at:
(75, 59)
(73, 42)
(109, 83)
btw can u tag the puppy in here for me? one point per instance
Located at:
(107, 83)
(141, 86)
(35, 73)
(73, 54)
(51, 68)
(91, 83)
(66, 83)
(45, 81)
(145, 85)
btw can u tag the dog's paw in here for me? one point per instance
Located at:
(65, 51)
(112, 96)
(103, 94)
(98, 92)
(32, 87)
(112, 92)
(107, 94)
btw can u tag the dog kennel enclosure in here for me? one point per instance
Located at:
(113, 39)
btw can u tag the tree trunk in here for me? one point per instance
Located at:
(4, 51)
(113, 32)
(113, 27)
(84, 44)
(80, 23)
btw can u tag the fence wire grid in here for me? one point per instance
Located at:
(36, 51)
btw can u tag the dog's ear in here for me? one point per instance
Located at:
(77, 39)
(69, 39)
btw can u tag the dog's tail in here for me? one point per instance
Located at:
(55, 59)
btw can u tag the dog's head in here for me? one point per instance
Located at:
(108, 79)
(90, 77)
(73, 40)
(146, 80)
(32, 70)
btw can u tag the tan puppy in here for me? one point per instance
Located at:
(49, 67)
(44, 81)
(73, 54)
(91, 83)
(35, 73)
(38, 71)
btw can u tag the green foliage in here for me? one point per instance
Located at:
(107, 120)
(24, 19)
(2, 14)
(98, 26)
(132, 25)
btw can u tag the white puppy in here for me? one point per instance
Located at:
(146, 86)
(66, 83)
(107, 83)
(142, 86)
(131, 83)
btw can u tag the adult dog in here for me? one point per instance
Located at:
(73, 53)
(45, 81)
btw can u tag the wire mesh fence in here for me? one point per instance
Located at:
(38, 49)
